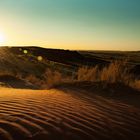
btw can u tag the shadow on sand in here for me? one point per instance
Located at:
(13, 82)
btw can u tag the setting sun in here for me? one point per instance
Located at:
(2, 38)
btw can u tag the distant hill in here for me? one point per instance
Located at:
(68, 57)
(35, 60)
(56, 55)
(25, 60)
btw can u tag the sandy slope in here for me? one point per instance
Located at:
(54, 114)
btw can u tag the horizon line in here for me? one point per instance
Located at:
(69, 49)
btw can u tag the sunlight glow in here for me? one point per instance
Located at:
(2, 38)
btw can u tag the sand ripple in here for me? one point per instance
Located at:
(53, 114)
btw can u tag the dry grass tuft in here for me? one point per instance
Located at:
(135, 84)
(87, 74)
(116, 72)
(34, 81)
(52, 78)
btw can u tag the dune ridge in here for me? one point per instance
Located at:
(54, 114)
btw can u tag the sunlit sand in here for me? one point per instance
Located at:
(53, 114)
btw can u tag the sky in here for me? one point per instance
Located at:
(71, 24)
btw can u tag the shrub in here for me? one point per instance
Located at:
(34, 80)
(52, 78)
(135, 84)
(115, 72)
(87, 74)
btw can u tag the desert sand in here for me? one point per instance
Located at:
(58, 114)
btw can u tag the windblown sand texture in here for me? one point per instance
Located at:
(54, 114)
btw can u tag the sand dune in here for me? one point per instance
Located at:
(54, 114)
